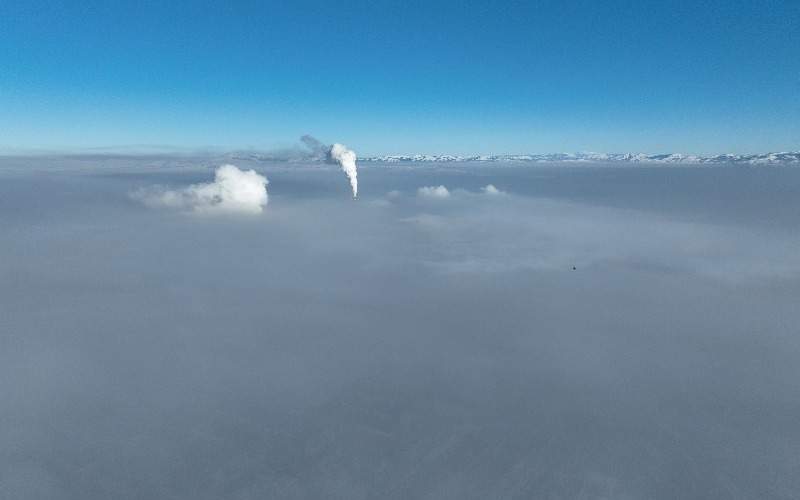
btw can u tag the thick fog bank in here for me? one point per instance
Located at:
(567, 333)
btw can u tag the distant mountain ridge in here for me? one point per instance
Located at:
(781, 158)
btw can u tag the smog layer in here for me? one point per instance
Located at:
(186, 328)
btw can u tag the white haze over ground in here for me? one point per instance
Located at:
(538, 332)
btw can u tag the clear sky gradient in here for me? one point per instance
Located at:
(409, 76)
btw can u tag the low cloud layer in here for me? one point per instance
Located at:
(233, 192)
(584, 336)
(471, 233)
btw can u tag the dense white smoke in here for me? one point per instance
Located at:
(339, 154)
(346, 158)
(233, 191)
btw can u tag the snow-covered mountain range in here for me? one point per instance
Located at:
(783, 158)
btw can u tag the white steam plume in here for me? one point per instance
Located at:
(233, 191)
(346, 158)
(339, 154)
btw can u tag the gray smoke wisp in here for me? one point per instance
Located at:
(338, 154)
(319, 150)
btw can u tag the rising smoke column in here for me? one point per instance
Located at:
(339, 154)
(346, 158)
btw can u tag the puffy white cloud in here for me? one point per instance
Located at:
(441, 192)
(233, 191)
(491, 190)
(436, 192)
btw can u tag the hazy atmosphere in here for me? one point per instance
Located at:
(383, 249)
(402, 77)
(569, 332)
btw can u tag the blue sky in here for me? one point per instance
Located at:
(403, 77)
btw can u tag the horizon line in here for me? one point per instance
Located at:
(285, 154)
